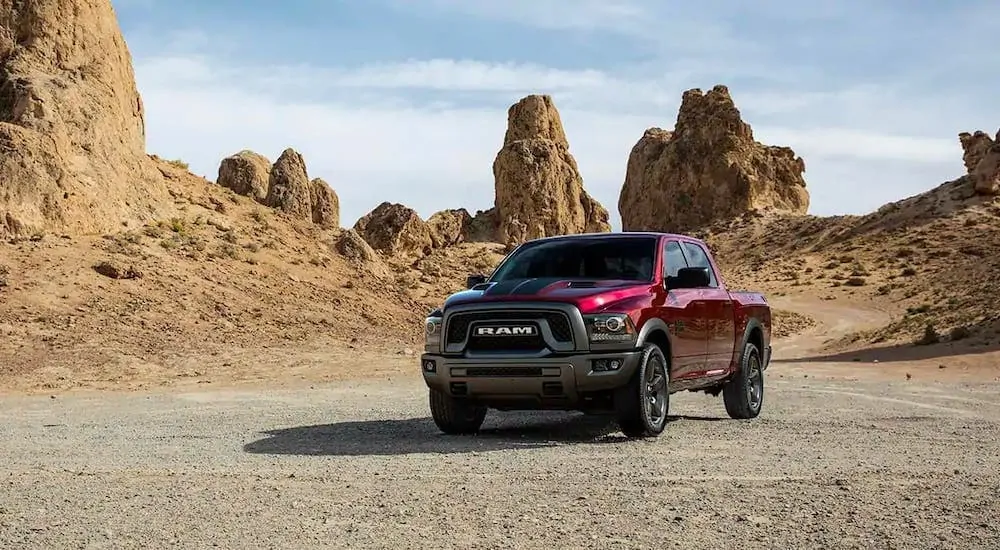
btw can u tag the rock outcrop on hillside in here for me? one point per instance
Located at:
(449, 227)
(539, 190)
(709, 168)
(325, 204)
(289, 189)
(72, 131)
(395, 229)
(246, 173)
(284, 185)
(352, 246)
(484, 226)
(981, 155)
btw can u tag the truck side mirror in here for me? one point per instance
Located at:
(473, 280)
(689, 277)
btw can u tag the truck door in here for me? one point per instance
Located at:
(684, 313)
(718, 311)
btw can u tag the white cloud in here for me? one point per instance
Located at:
(467, 75)
(410, 133)
(450, 75)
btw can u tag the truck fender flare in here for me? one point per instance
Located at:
(648, 327)
(752, 323)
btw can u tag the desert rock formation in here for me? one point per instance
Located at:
(325, 204)
(352, 246)
(246, 173)
(72, 132)
(449, 227)
(484, 226)
(284, 185)
(981, 155)
(707, 169)
(396, 230)
(539, 190)
(289, 189)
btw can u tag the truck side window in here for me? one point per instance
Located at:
(673, 259)
(700, 259)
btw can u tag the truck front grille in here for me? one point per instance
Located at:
(459, 324)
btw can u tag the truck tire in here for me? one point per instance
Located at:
(743, 394)
(641, 406)
(453, 416)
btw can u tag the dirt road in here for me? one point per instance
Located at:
(843, 456)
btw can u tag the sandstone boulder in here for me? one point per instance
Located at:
(981, 155)
(986, 176)
(246, 173)
(353, 247)
(449, 227)
(395, 229)
(325, 204)
(72, 130)
(484, 226)
(289, 189)
(708, 169)
(539, 190)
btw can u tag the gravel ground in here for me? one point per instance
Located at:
(828, 464)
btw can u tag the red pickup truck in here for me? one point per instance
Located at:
(606, 323)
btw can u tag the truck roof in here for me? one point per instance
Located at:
(614, 234)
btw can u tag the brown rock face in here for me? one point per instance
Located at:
(395, 229)
(449, 227)
(539, 190)
(246, 173)
(72, 134)
(353, 247)
(325, 204)
(981, 155)
(484, 226)
(709, 168)
(535, 117)
(289, 189)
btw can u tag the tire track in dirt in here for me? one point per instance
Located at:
(833, 320)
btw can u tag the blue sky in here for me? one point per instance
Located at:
(406, 100)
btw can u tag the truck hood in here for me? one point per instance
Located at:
(588, 295)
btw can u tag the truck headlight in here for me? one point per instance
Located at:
(609, 328)
(432, 333)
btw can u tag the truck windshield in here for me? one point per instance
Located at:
(629, 258)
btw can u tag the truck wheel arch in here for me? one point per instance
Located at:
(657, 332)
(754, 332)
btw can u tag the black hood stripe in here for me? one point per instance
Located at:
(520, 287)
(503, 288)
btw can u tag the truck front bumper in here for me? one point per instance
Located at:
(564, 382)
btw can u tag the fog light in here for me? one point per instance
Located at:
(430, 366)
(607, 365)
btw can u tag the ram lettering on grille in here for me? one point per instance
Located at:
(526, 330)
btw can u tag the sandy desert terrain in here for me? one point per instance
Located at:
(894, 454)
